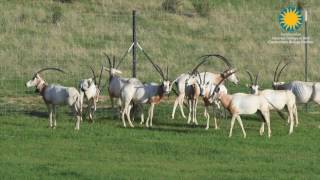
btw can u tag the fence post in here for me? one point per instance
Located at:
(306, 50)
(134, 41)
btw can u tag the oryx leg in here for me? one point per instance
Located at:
(207, 116)
(190, 110)
(77, 113)
(241, 125)
(215, 118)
(232, 124)
(151, 118)
(261, 132)
(54, 116)
(149, 115)
(295, 112)
(128, 110)
(195, 111)
(290, 111)
(181, 100)
(266, 116)
(50, 115)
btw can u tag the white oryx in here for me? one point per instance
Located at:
(305, 92)
(90, 90)
(187, 86)
(277, 99)
(241, 103)
(54, 95)
(151, 93)
(206, 91)
(116, 82)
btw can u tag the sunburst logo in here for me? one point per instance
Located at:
(291, 19)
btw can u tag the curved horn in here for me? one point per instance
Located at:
(50, 68)
(250, 76)
(94, 75)
(114, 62)
(256, 80)
(167, 73)
(225, 60)
(109, 60)
(282, 70)
(276, 71)
(101, 71)
(217, 86)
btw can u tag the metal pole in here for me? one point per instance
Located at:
(134, 41)
(306, 50)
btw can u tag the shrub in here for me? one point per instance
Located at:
(202, 7)
(56, 14)
(172, 6)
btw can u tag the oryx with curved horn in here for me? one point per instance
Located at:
(206, 91)
(54, 95)
(187, 86)
(90, 89)
(150, 93)
(116, 82)
(304, 91)
(277, 99)
(241, 103)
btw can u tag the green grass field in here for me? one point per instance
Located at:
(169, 150)
(36, 34)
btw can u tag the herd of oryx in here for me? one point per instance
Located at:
(131, 94)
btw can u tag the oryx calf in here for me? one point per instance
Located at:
(277, 99)
(54, 95)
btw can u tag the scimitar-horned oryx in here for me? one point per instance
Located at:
(90, 89)
(278, 99)
(54, 95)
(190, 88)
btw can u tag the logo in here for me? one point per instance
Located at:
(291, 19)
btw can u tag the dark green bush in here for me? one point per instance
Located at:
(56, 14)
(202, 7)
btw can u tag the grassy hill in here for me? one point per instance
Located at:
(37, 34)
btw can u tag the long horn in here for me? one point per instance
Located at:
(217, 86)
(167, 72)
(114, 62)
(101, 71)
(256, 80)
(109, 60)
(276, 71)
(250, 76)
(225, 60)
(156, 67)
(282, 70)
(50, 68)
(94, 75)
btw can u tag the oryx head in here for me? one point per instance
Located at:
(233, 78)
(216, 91)
(253, 86)
(113, 68)
(276, 76)
(37, 80)
(165, 82)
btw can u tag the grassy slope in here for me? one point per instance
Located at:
(236, 29)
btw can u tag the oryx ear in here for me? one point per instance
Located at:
(247, 85)
(107, 69)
